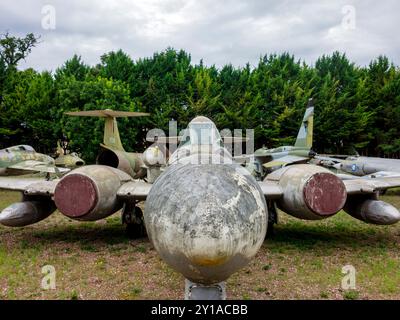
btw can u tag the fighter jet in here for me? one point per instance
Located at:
(267, 160)
(368, 167)
(67, 159)
(205, 214)
(23, 159)
(112, 152)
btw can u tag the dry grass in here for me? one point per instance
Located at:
(96, 261)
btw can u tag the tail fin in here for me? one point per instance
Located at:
(305, 135)
(111, 134)
(60, 150)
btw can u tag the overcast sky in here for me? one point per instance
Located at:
(220, 32)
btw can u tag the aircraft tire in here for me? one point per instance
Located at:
(136, 230)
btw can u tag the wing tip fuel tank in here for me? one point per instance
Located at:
(372, 211)
(21, 214)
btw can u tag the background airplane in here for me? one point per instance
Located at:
(205, 214)
(23, 159)
(369, 167)
(267, 160)
(67, 159)
(112, 153)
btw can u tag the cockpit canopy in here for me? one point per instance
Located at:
(201, 131)
(198, 142)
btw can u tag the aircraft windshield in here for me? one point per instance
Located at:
(199, 141)
(201, 133)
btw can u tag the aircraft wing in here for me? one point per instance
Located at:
(137, 190)
(284, 161)
(27, 185)
(33, 165)
(362, 185)
(272, 190)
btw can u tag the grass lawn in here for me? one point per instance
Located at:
(96, 260)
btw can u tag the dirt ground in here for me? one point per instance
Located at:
(303, 260)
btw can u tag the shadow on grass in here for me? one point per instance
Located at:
(89, 237)
(304, 236)
(338, 232)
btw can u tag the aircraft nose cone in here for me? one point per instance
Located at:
(206, 221)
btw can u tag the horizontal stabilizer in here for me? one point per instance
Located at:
(107, 113)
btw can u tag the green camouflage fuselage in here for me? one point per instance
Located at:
(265, 155)
(18, 154)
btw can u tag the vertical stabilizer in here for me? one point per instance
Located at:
(305, 135)
(60, 151)
(111, 134)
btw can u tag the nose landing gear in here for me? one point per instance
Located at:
(132, 217)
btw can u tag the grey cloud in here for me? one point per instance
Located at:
(220, 32)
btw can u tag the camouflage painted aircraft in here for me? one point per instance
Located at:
(267, 160)
(205, 214)
(66, 159)
(23, 159)
(112, 153)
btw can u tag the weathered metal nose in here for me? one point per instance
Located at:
(206, 221)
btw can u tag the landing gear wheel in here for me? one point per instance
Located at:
(133, 219)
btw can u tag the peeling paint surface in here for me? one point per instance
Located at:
(325, 194)
(206, 221)
(309, 192)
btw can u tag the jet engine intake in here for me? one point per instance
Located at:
(90, 193)
(309, 192)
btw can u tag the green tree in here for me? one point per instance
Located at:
(73, 67)
(86, 134)
(116, 65)
(14, 49)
